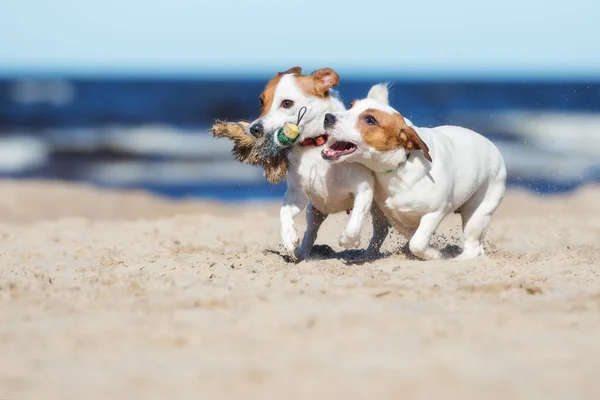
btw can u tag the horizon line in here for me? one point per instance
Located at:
(346, 74)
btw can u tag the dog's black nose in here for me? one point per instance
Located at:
(257, 129)
(329, 120)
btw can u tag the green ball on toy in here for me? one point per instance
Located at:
(288, 134)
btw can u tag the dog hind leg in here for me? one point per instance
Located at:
(476, 216)
(381, 228)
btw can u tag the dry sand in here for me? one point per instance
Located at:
(113, 295)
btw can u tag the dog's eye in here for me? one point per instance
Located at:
(370, 120)
(287, 104)
(261, 102)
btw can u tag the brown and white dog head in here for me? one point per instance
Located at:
(287, 93)
(369, 128)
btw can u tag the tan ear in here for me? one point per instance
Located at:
(324, 79)
(294, 70)
(411, 141)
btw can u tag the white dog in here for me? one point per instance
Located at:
(422, 174)
(329, 188)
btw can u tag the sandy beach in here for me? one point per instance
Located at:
(122, 295)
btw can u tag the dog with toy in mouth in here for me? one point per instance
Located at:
(312, 182)
(422, 174)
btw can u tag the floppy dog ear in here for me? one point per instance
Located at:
(294, 70)
(411, 141)
(324, 79)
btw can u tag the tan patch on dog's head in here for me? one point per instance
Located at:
(353, 103)
(266, 97)
(316, 84)
(384, 131)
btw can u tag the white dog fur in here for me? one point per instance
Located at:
(422, 174)
(326, 188)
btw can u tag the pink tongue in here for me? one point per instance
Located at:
(330, 152)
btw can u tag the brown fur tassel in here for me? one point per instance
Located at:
(253, 151)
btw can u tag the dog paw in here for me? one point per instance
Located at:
(433, 254)
(468, 255)
(471, 250)
(302, 254)
(430, 253)
(290, 241)
(349, 241)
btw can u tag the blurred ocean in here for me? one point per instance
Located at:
(152, 134)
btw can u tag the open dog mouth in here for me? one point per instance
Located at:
(338, 149)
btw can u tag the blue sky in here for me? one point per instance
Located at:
(193, 37)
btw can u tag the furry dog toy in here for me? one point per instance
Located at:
(269, 151)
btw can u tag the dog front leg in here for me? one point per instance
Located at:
(419, 243)
(363, 199)
(314, 219)
(294, 202)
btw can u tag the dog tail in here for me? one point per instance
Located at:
(380, 92)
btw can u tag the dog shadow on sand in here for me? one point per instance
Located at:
(324, 252)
